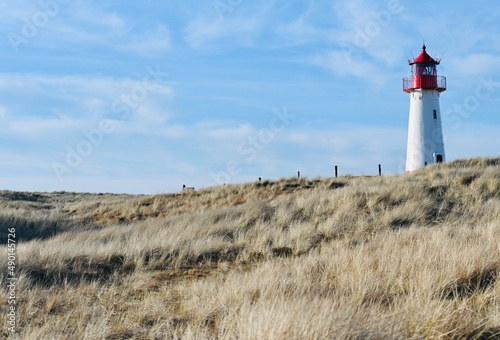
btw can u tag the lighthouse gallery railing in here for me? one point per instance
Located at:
(424, 82)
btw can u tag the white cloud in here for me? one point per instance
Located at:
(156, 41)
(92, 16)
(302, 30)
(172, 131)
(475, 64)
(366, 41)
(83, 24)
(15, 161)
(185, 167)
(150, 115)
(72, 103)
(148, 129)
(342, 63)
(298, 28)
(242, 131)
(298, 138)
(36, 127)
(472, 140)
(201, 32)
(3, 113)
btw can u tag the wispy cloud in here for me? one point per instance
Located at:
(343, 64)
(73, 103)
(36, 128)
(205, 31)
(485, 139)
(87, 25)
(474, 64)
(241, 131)
(365, 41)
(3, 113)
(154, 41)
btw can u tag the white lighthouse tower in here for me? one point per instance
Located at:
(425, 131)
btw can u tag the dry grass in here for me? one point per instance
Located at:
(413, 256)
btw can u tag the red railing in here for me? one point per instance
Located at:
(424, 82)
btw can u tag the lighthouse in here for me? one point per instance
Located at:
(425, 132)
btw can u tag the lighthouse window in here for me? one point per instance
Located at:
(417, 70)
(434, 113)
(424, 70)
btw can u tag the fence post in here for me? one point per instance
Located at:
(380, 170)
(336, 171)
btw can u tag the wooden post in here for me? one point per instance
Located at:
(380, 170)
(336, 171)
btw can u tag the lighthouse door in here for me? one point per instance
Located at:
(439, 158)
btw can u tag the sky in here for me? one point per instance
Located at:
(144, 96)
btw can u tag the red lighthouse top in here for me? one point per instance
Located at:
(424, 58)
(424, 74)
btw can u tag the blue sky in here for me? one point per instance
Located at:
(142, 97)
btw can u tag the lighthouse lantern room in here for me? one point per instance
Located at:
(425, 133)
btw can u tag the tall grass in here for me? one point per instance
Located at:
(413, 256)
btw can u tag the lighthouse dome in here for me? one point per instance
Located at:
(424, 58)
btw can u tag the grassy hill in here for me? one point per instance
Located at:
(411, 256)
